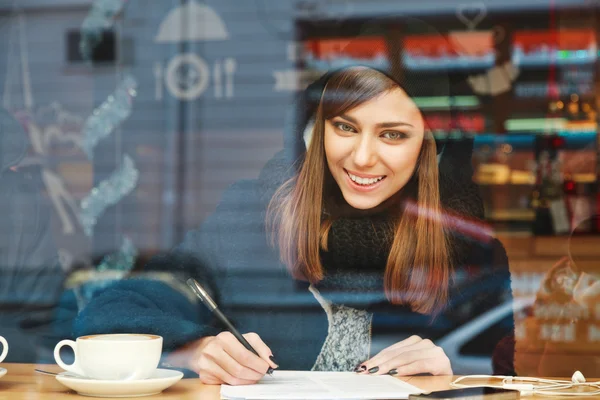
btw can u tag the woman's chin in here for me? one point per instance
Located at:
(361, 204)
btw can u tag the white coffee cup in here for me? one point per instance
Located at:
(4, 348)
(122, 356)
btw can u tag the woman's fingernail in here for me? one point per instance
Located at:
(360, 368)
(393, 371)
(273, 359)
(373, 370)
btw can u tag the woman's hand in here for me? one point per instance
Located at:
(223, 359)
(408, 357)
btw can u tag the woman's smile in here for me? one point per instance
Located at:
(364, 182)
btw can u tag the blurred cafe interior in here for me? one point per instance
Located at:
(128, 119)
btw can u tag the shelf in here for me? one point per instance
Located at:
(538, 105)
(558, 62)
(525, 185)
(550, 124)
(446, 65)
(526, 141)
(526, 215)
(507, 184)
(459, 65)
(519, 140)
(433, 103)
(326, 65)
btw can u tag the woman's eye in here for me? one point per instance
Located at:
(394, 135)
(344, 127)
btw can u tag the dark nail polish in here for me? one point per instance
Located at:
(373, 370)
(270, 371)
(360, 368)
(393, 371)
(273, 359)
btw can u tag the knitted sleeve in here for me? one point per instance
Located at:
(155, 301)
(145, 306)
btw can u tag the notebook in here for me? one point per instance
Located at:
(283, 385)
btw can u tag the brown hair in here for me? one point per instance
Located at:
(419, 267)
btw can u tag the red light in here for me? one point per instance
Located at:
(570, 186)
(557, 142)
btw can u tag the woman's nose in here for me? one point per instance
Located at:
(365, 154)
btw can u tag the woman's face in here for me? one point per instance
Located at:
(372, 150)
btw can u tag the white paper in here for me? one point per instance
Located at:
(321, 385)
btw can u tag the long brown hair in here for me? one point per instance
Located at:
(419, 266)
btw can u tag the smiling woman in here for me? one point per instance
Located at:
(358, 221)
(368, 141)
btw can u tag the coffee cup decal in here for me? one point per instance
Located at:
(112, 356)
(4, 348)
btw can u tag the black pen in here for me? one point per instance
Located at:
(212, 306)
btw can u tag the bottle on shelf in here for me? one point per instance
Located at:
(555, 109)
(574, 109)
(548, 198)
(588, 112)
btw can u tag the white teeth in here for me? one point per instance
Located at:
(364, 181)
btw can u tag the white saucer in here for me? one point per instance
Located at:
(160, 380)
(2, 372)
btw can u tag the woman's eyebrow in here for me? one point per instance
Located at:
(380, 125)
(349, 119)
(393, 124)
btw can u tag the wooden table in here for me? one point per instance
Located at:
(23, 383)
